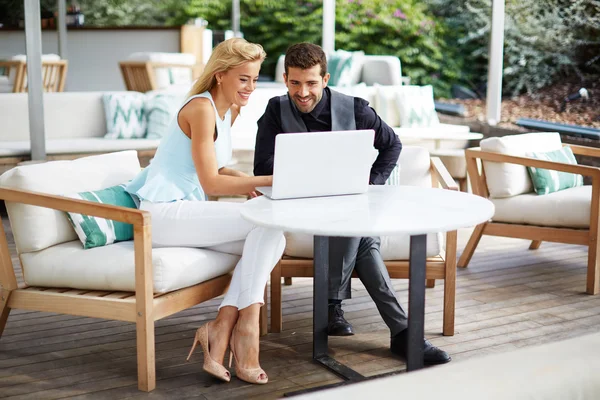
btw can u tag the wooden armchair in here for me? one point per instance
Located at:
(132, 287)
(54, 75)
(418, 169)
(568, 216)
(141, 76)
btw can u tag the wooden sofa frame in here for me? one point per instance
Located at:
(142, 306)
(438, 267)
(537, 234)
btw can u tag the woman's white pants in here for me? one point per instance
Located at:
(219, 226)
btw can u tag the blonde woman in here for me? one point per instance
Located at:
(190, 164)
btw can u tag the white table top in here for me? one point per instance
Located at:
(383, 210)
(433, 135)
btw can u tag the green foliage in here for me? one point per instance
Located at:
(542, 38)
(122, 13)
(267, 22)
(403, 28)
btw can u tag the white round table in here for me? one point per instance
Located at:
(383, 210)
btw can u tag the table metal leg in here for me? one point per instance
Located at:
(320, 294)
(320, 311)
(416, 302)
(416, 312)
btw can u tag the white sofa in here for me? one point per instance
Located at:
(75, 125)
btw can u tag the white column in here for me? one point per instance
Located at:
(235, 18)
(496, 57)
(328, 26)
(35, 97)
(62, 29)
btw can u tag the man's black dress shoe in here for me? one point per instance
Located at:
(431, 354)
(338, 326)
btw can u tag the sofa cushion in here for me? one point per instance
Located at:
(95, 231)
(36, 228)
(415, 166)
(566, 208)
(505, 180)
(392, 247)
(386, 105)
(125, 117)
(546, 180)
(416, 107)
(345, 67)
(112, 267)
(160, 109)
(67, 115)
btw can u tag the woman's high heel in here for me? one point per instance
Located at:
(250, 375)
(211, 366)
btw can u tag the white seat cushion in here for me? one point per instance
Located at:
(112, 267)
(392, 247)
(505, 180)
(565, 208)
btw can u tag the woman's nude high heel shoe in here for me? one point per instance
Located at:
(211, 366)
(250, 375)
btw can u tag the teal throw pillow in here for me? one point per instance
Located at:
(125, 117)
(96, 231)
(547, 181)
(160, 109)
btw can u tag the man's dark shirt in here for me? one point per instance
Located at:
(319, 120)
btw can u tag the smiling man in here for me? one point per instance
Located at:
(310, 106)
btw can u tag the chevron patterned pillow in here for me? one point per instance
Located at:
(416, 107)
(548, 181)
(96, 231)
(125, 117)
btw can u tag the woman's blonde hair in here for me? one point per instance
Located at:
(227, 55)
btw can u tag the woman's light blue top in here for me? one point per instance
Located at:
(172, 175)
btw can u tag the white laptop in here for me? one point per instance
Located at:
(321, 164)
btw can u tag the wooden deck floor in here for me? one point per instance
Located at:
(508, 298)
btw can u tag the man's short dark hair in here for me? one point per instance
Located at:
(305, 56)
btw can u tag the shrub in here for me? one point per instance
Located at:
(542, 38)
(404, 28)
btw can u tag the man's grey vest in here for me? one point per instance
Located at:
(342, 114)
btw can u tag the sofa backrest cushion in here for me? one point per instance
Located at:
(36, 228)
(415, 166)
(67, 115)
(506, 180)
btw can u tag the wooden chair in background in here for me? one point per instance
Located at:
(537, 217)
(54, 75)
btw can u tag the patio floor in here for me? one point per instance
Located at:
(509, 297)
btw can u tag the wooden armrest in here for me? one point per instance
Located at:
(585, 170)
(584, 150)
(116, 213)
(441, 175)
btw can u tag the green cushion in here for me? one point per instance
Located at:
(344, 67)
(95, 231)
(160, 109)
(547, 181)
(124, 115)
